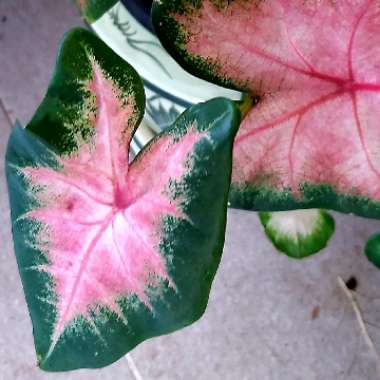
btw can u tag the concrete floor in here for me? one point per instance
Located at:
(269, 317)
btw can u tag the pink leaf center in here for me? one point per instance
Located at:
(316, 67)
(103, 219)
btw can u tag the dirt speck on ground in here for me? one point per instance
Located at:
(352, 283)
(315, 313)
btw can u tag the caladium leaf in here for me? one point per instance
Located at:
(112, 253)
(299, 233)
(313, 139)
(94, 9)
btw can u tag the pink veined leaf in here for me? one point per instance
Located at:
(315, 66)
(113, 252)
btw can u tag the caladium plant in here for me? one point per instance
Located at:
(110, 252)
(313, 66)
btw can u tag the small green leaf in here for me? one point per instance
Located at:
(372, 249)
(298, 233)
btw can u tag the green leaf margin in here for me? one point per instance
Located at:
(173, 38)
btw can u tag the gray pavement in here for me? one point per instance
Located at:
(269, 317)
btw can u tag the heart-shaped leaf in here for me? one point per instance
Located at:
(313, 139)
(94, 9)
(112, 253)
(299, 233)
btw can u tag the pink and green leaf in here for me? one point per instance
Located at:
(111, 252)
(298, 233)
(94, 9)
(312, 140)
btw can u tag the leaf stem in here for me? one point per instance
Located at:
(246, 104)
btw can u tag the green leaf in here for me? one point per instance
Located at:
(298, 233)
(372, 249)
(94, 9)
(111, 253)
